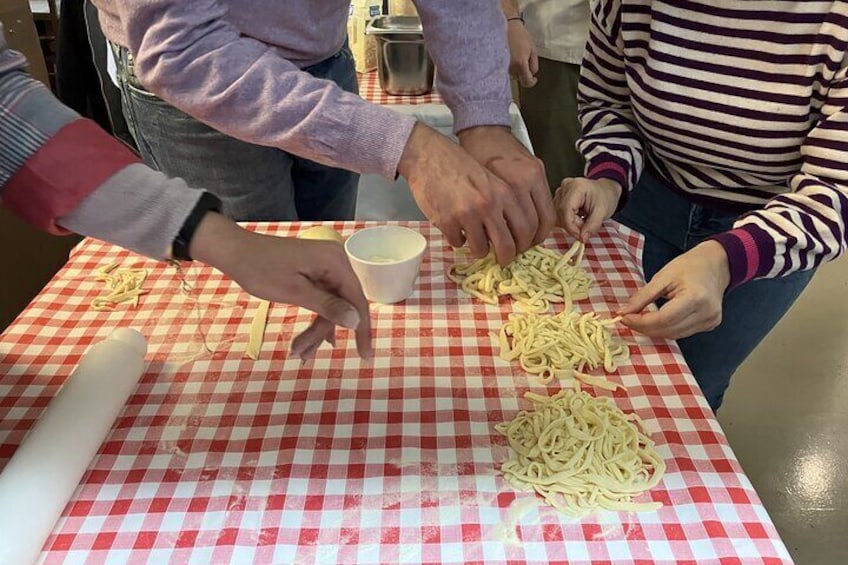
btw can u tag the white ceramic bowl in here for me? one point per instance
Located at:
(387, 260)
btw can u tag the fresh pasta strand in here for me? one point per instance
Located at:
(581, 454)
(123, 285)
(257, 330)
(563, 346)
(535, 279)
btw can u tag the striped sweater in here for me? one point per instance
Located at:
(62, 173)
(741, 103)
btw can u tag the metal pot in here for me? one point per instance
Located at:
(403, 64)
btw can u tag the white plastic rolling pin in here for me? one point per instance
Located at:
(42, 475)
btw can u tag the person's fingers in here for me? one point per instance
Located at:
(475, 236)
(501, 238)
(307, 343)
(534, 62)
(676, 317)
(347, 286)
(308, 294)
(593, 222)
(523, 221)
(545, 209)
(571, 208)
(646, 295)
(641, 323)
(452, 230)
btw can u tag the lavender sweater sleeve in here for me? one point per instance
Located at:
(194, 57)
(467, 40)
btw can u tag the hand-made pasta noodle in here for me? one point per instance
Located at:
(535, 279)
(123, 285)
(562, 346)
(581, 453)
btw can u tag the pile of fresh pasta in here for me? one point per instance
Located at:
(121, 285)
(536, 278)
(563, 346)
(579, 452)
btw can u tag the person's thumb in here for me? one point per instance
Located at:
(330, 306)
(643, 297)
(592, 223)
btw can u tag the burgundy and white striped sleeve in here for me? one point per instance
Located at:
(806, 227)
(610, 142)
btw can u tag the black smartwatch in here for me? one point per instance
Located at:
(208, 202)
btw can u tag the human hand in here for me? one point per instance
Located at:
(524, 60)
(313, 274)
(694, 284)
(463, 199)
(583, 204)
(501, 153)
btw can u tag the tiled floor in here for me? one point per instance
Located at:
(786, 415)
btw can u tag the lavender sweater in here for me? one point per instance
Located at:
(235, 65)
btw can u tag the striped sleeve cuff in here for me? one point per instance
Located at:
(607, 166)
(750, 253)
(71, 165)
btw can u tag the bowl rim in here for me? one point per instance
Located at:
(421, 240)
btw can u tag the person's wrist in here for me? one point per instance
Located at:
(514, 15)
(412, 151)
(219, 242)
(719, 262)
(482, 132)
(614, 189)
(181, 245)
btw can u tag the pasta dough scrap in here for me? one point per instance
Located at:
(581, 453)
(257, 330)
(325, 233)
(563, 346)
(535, 279)
(122, 285)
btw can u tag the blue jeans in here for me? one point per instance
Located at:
(254, 182)
(673, 225)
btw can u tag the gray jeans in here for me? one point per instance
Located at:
(254, 182)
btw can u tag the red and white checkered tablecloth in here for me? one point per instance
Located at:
(220, 459)
(369, 89)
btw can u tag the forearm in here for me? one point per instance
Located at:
(52, 159)
(189, 54)
(510, 8)
(807, 226)
(137, 208)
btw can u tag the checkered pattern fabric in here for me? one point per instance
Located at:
(369, 89)
(220, 459)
